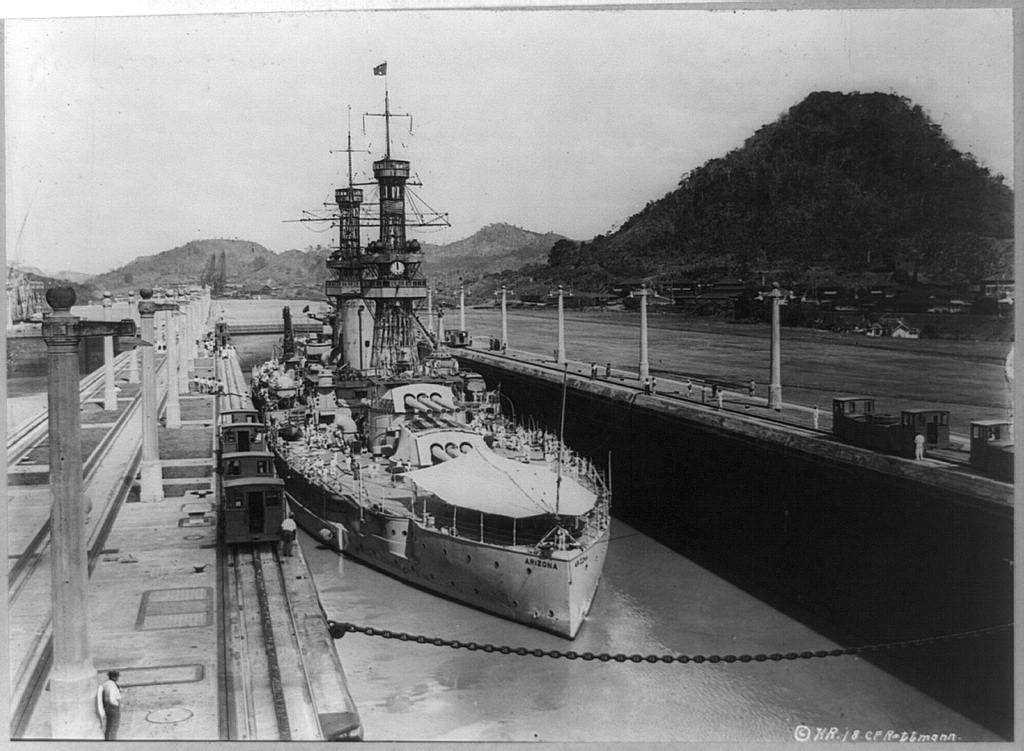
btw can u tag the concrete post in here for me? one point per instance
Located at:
(151, 478)
(72, 677)
(561, 325)
(645, 367)
(504, 317)
(775, 389)
(462, 307)
(109, 393)
(173, 410)
(133, 360)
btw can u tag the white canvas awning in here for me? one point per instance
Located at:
(492, 484)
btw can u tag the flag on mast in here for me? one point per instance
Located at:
(380, 70)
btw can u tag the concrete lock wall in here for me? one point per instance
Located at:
(860, 555)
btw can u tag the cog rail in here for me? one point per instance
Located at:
(339, 629)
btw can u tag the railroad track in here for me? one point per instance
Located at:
(30, 433)
(268, 694)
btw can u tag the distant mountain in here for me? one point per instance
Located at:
(845, 183)
(251, 268)
(77, 277)
(292, 273)
(492, 249)
(187, 264)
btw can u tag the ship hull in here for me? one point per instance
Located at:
(550, 593)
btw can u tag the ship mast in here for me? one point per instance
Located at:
(345, 289)
(392, 282)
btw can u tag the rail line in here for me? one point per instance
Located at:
(26, 562)
(28, 435)
(269, 693)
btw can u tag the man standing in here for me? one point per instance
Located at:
(108, 705)
(919, 447)
(287, 534)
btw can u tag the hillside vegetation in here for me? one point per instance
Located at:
(847, 183)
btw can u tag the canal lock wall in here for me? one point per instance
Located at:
(864, 548)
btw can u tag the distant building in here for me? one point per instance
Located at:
(996, 287)
(25, 297)
(903, 331)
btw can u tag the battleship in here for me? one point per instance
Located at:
(395, 457)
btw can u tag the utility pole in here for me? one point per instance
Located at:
(72, 676)
(775, 389)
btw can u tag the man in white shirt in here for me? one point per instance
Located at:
(287, 534)
(108, 704)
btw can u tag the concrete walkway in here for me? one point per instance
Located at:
(153, 609)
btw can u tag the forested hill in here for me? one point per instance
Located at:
(196, 262)
(849, 182)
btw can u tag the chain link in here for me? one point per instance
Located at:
(339, 629)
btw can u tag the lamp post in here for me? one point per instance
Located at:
(150, 475)
(430, 308)
(72, 676)
(184, 348)
(561, 325)
(109, 392)
(504, 318)
(775, 389)
(645, 367)
(133, 360)
(462, 307)
(173, 411)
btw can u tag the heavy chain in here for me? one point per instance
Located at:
(338, 630)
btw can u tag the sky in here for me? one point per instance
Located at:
(131, 136)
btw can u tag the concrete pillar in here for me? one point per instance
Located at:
(72, 676)
(775, 389)
(645, 367)
(462, 307)
(133, 360)
(173, 410)
(561, 324)
(151, 477)
(109, 393)
(504, 317)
